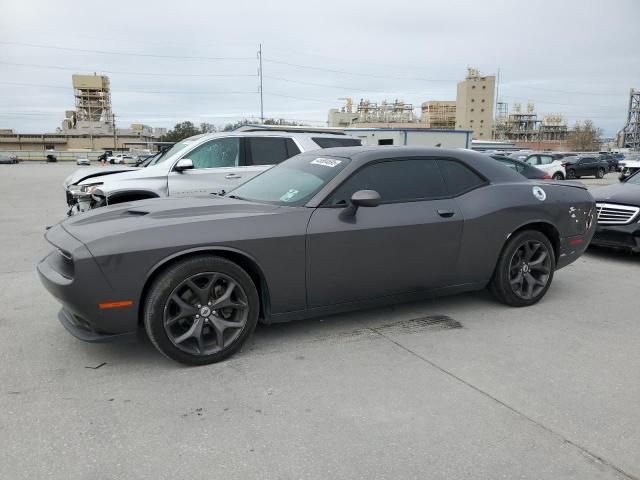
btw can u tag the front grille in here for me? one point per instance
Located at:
(613, 214)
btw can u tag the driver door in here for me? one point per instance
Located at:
(409, 243)
(215, 167)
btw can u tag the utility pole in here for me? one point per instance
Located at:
(260, 73)
(115, 135)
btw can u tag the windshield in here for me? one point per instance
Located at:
(292, 182)
(175, 149)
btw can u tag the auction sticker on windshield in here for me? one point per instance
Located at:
(327, 162)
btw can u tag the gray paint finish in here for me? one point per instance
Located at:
(311, 260)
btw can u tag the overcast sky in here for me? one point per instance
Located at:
(574, 57)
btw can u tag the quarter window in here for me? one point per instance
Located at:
(221, 152)
(266, 150)
(459, 178)
(395, 181)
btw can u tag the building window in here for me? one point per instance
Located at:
(482, 109)
(470, 121)
(385, 141)
(481, 134)
(484, 87)
(483, 100)
(49, 147)
(472, 109)
(473, 99)
(473, 86)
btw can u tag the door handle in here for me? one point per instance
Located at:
(446, 213)
(232, 175)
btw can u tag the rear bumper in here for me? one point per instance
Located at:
(618, 236)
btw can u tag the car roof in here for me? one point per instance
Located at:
(363, 154)
(269, 133)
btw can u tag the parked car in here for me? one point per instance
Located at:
(524, 169)
(610, 159)
(323, 232)
(545, 161)
(618, 208)
(82, 159)
(121, 159)
(629, 166)
(585, 166)
(202, 164)
(8, 158)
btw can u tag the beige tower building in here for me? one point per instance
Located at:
(474, 104)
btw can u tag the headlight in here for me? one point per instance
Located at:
(90, 187)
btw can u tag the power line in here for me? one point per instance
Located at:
(177, 92)
(337, 86)
(372, 75)
(153, 74)
(129, 54)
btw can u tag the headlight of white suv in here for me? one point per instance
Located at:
(90, 187)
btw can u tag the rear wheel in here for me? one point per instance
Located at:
(201, 310)
(600, 173)
(525, 269)
(558, 176)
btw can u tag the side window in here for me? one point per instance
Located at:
(546, 159)
(330, 142)
(221, 152)
(292, 148)
(266, 150)
(395, 181)
(533, 160)
(459, 178)
(510, 164)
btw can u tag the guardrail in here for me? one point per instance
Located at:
(41, 155)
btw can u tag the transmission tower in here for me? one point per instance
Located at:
(631, 130)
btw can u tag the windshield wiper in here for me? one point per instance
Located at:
(235, 197)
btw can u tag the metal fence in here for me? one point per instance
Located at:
(41, 155)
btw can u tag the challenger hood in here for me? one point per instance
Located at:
(622, 193)
(86, 173)
(161, 215)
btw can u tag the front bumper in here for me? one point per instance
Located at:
(72, 276)
(618, 236)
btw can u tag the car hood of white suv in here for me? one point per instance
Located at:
(79, 176)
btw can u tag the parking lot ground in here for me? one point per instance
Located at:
(457, 387)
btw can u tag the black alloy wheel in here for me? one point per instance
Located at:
(529, 269)
(201, 310)
(600, 173)
(571, 173)
(524, 270)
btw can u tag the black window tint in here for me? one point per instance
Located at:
(395, 181)
(459, 178)
(266, 150)
(328, 142)
(292, 148)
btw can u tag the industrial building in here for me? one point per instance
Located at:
(91, 126)
(370, 114)
(526, 130)
(439, 114)
(474, 104)
(629, 136)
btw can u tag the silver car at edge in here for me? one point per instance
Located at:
(202, 164)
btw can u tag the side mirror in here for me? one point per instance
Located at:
(183, 164)
(362, 198)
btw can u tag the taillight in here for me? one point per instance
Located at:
(547, 177)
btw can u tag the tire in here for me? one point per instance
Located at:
(571, 173)
(185, 329)
(558, 176)
(600, 173)
(504, 284)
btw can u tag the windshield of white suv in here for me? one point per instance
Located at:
(292, 182)
(175, 149)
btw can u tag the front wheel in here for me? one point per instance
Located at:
(525, 269)
(201, 310)
(571, 173)
(600, 173)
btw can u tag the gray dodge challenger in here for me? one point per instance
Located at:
(323, 232)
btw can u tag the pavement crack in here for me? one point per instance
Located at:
(586, 452)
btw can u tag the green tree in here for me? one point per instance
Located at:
(585, 137)
(180, 132)
(207, 128)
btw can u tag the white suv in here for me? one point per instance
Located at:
(546, 162)
(202, 164)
